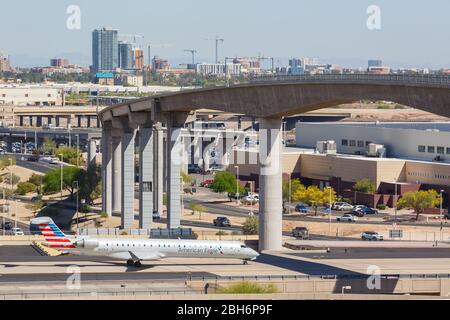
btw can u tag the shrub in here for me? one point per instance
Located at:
(221, 233)
(36, 179)
(248, 287)
(104, 215)
(15, 178)
(381, 206)
(85, 208)
(25, 187)
(365, 185)
(250, 226)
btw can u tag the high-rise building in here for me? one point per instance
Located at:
(374, 63)
(4, 64)
(105, 50)
(125, 55)
(138, 58)
(59, 62)
(295, 62)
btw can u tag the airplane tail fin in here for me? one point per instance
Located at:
(54, 237)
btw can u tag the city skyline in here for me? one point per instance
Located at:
(412, 34)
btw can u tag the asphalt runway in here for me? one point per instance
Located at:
(377, 253)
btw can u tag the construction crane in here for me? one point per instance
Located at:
(217, 40)
(134, 36)
(193, 52)
(154, 45)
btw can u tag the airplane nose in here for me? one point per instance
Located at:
(254, 254)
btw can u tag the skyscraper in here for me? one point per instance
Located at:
(125, 55)
(105, 50)
(374, 63)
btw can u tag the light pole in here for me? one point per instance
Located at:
(395, 200)
(78, 149)
(440, 206)
(251, 202)
(237, 184)
(329, 213)
(290, 194)
(78, 191)
(62, 161)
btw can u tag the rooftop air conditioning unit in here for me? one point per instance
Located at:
(376, 150)
(326, 147)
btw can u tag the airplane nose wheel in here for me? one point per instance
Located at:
(244, 262)
(130, 262)
(137, 264)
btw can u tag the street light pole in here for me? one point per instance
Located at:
(237, 184)
(78, 191)
(395, 200)
(78, 149)
(329, 214)
(62, 161)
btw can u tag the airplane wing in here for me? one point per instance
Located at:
(136, 255)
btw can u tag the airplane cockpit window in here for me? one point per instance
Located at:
(242, 246)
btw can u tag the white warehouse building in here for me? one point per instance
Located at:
(425, 141)
(31, 96)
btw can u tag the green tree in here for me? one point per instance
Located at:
(6, 161)
(314, 196)
(225, 181)
(70, 155)
(90, 182)
(36, 179)
(419, 201)
(48, 145)
(365, 185)
(52, 180)
(250, 226)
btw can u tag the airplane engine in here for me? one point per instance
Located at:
(89, 243)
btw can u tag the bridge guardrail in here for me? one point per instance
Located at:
(440, 80)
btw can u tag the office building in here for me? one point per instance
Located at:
(294, 63)
(374, 63)
(219, 69)
(138, 62)
(125, 55)
(4, 64)
(105, 50)
(59, 62)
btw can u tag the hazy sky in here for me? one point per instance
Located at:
(413, 32)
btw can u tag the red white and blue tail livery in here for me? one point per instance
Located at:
(54, 237)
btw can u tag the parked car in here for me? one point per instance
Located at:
(368, 210)
(371, 235)
(17, 232)
(347, 217)
(252, 198)
(222, 222)
(54, 160)
(301, 233)
(194, 168)
(341, 206)
(357, 213)
(7, 226)
(206, 183)
(301, 208)
(156, 216)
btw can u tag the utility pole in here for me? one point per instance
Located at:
(193, 52)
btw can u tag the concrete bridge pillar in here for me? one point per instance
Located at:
(146, 181)
(21, 121)
(106, 171)
(39, 121)
(57, 121)
(31, 121)
(88, 121)
(117, 174)
(174, 157)
(158, 169)
(79, 121)
(127, 194)
(92, 152)
(270, 187)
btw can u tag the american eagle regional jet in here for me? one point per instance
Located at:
(136, 250)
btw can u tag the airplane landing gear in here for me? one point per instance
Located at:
(244, 262)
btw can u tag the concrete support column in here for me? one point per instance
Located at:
(92, 152)
(88, 121)
(270, 187)
(79, 121)
(21, 121)
(146, 181)
(117, 174)
(174, 157)
(31, 121)
(39, 121)
(57, 121)
(106, 171)
(128, 178)
(158, 170)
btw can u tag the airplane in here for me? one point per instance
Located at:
(136, 250)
